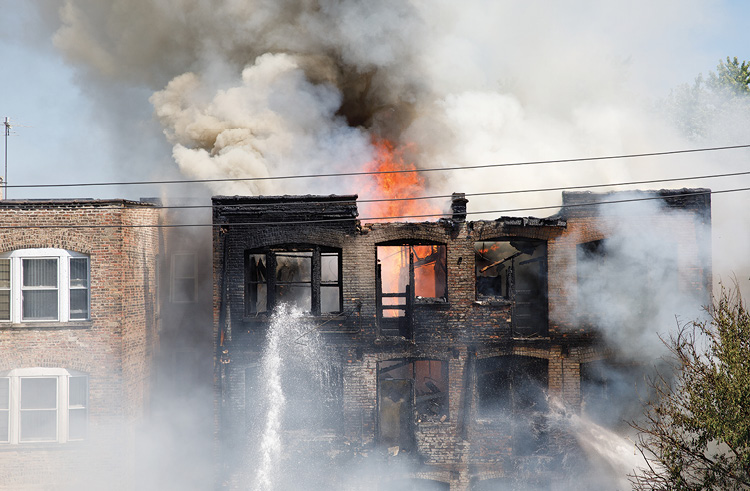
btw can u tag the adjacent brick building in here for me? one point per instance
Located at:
(444, 342)
(78, 331)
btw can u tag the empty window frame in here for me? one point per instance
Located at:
(428, 263)
(513, 389)
(515, 270)
(307, 277)
(407, 388)
(183, 277)
(406, 273)
(43, 405)
(44, 285)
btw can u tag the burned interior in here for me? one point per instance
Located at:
(305, 276)
(409, 392)
(407, 274)
(512, 390)
(515, 270)
(444, 343)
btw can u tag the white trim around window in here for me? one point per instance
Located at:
(43, 405)
(44, 285)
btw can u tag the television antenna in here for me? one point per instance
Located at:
(5, 175)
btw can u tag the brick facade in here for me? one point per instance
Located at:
(113, 347)
(464, 448)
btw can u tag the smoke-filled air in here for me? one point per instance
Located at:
(260, 88)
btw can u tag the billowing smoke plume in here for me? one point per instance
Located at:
(256, 88)
(283, 87)
(268, 87)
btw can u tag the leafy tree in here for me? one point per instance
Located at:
(696, 433)
(714, 106)
(732, 75)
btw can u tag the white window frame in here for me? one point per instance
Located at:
(62, 376)
(63, 282)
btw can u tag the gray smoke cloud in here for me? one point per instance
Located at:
(278, 87)
(275, 87)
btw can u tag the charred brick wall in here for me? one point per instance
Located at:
(456, 330)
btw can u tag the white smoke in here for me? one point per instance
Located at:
(258, 88)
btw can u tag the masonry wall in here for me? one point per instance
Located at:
(113, 347)
(464, 448)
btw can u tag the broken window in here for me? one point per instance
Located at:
(308, 277)
(408, 389)
(515, 387)
(516, 271)
(405, 274)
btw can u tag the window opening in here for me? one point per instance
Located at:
(308, 277)
(515, 271)
(405, 274)
(409, 389)
(515, 388)
(38, 409)
(4, 289)
(39, 289)
(4, 409)
(39, 285)
(79, 288)
(77, 407)
(183, 277)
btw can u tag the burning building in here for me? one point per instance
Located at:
(437, 347)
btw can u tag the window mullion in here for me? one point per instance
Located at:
(63, 289)
(62, 408)
(315, 281)
(15, 404)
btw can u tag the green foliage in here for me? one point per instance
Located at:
(732, 75)
(696, 434)
(710, 107)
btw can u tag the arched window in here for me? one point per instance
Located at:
(44, 285)
(43, 405)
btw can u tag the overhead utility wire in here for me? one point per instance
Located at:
(331, 220)
(369, 173)
(492, 193)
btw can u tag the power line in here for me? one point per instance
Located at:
(369, 173)
(493, 193)
(391, 218)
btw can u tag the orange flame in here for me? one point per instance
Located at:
(398, 185)
(395, 187)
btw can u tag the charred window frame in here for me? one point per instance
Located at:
(306, 276)
(515, 271)
(410, 391)
(514, 388)
(407, 274)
